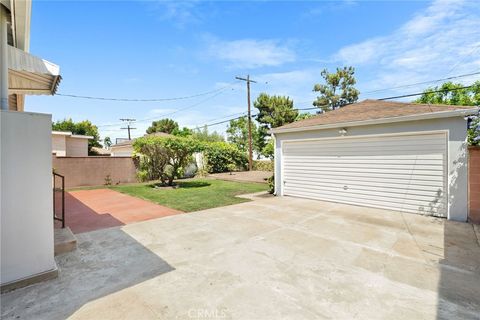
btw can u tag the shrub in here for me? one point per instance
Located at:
(165, 158)
(271, 184)
(263, 165)
(108, 180)
(142, 175)
(220, 156)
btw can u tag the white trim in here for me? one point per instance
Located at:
(423, 116)
(61, 133)
(70, 135)
(410, 133)
(78, 136)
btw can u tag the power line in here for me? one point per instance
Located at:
(167, 114)
(426, 92)
(424, 82)
(144, 100)
(216, 119)
(129, 122)
(387, 98)
(475, 48)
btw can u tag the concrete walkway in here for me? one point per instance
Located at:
(88, 210)
(274, 258)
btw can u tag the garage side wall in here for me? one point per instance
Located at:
(457, 153)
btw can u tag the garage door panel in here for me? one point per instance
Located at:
(332, 174)
(387, 166)
(404, 188)
(374, 193)
(369, 157)
(367, 153)
(375, 204)
(370, 148)
(402, 172)
(348, 143)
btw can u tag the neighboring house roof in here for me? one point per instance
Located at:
(101, 151)
(376, 111)
(130, 142)
(70, 134)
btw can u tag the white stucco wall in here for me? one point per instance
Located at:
(457, 153)
(26, 195)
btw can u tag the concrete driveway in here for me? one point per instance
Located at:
(276, 258)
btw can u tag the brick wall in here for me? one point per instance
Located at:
(474, 184)
(92, 171)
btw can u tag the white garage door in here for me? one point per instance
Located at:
(404, 172)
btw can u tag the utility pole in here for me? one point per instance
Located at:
(128, 126)
(250, 155)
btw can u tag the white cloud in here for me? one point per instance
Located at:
(180, 13)
(250, 53)
(162, 111)
(437, 42)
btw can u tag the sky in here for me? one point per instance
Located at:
(177, 49)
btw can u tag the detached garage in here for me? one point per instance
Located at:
(391, 155)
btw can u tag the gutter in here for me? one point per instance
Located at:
(424, 116)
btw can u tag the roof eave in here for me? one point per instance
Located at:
(423, 116)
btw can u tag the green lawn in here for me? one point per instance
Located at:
(194, 195)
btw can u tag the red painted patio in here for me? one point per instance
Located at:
(88, 210)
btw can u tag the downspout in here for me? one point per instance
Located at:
(274, 164)
(3, 59)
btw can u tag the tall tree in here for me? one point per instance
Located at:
(85, 128)
(338, 89)
(455, 94)
(164, 125)
(237, 133)
(274, 111)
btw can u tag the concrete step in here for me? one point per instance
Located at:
(65, 240)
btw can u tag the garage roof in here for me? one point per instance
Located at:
(376, 111)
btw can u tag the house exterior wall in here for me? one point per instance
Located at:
(457, 153)
(474, 184)
(59, 145)
(76, 147)
(92, 171)
(26, 196)
(121, 151)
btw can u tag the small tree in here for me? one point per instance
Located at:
(165, 125)
(203, 134)
(338, 89)
(166, 156)
(107, 142)
(237, 134)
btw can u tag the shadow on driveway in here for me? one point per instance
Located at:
(105, 262)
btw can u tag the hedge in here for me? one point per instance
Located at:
(263, 165)
(222, 156)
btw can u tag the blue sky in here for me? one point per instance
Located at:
(163, 49)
